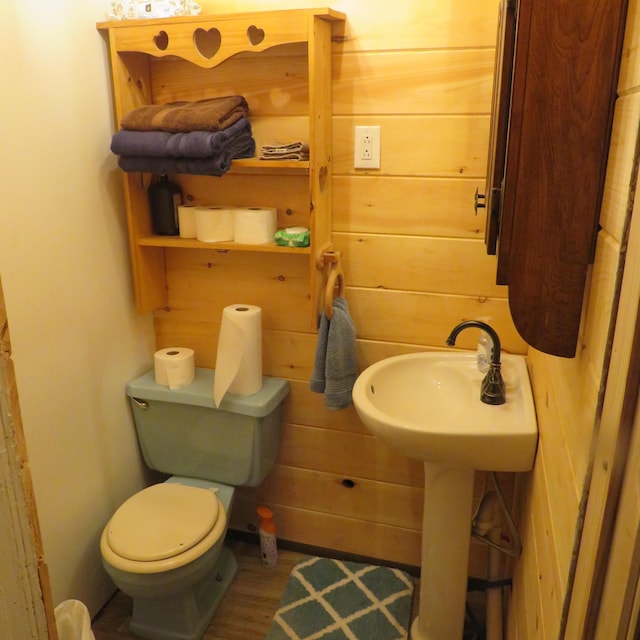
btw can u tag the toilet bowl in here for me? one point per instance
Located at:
(164, 528)
(164, 546)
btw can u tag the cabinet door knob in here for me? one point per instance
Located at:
(479, 201)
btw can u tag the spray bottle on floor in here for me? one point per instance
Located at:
(267, 532)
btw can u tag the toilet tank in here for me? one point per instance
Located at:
(181, 432)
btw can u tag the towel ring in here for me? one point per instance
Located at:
(335, 277)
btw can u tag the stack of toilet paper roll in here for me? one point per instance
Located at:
(187, 220)
(174, 367)
(254, 225)
(245, 225)
(214, 224)
(239, 359)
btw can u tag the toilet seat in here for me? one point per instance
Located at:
(163, 527)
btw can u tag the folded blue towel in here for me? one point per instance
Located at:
(193, 144)
(216, 165)
(335, 366)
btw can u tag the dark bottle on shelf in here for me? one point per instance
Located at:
(164, 199)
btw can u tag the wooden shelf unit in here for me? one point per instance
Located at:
(258, 55)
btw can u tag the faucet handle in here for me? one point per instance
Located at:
(492, 388)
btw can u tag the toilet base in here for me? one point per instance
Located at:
(185, 616)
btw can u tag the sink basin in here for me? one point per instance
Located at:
(427, 405)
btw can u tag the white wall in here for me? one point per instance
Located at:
(65, 271)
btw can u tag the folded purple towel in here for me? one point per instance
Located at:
(194, 144)
(217, 165)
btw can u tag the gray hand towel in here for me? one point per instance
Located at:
(335, 366)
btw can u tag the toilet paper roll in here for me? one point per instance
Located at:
(214, 224)
(174, 367)
(187, 221)
(239, 359)
(254, 225)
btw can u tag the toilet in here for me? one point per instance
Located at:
(163, 546)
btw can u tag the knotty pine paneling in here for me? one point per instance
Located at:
(414, 82)
(372, 539)
(270, 87)
(629, 78)
(304, 407)
(202, 282)
(376, 501)
(599, 305)
(409, 82)
(620, 166)
(373, 25)
(434, 265)
(330, 531)
(526, 616)
(417, 205)
(437, 146)
(412, 245)
(565, 479)
(289, 194)
(426, 319)
(331, 451)
(379, 315)
(371, 500)
(549, 580)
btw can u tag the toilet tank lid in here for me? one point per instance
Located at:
(200, 393)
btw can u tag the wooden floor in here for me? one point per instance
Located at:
(248, 607)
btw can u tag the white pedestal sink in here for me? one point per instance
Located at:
(427, 406)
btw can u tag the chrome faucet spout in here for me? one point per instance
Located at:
(492, 388)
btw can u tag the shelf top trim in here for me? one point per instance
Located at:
(324, 13)
(208, 40)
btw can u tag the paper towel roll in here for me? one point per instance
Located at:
(174, 367)
(239, 359)
(214, 224)
(187, 221)
(254, 225)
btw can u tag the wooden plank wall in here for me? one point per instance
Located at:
(413, 258)
(567, 396)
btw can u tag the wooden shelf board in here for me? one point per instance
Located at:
(175, 242)
(255, 165)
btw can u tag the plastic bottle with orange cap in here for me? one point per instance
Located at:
(267, 532)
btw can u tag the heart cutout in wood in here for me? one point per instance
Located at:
(207, 42)
(256, 36)
(161, 40)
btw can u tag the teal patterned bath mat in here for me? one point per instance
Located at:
(336, 600)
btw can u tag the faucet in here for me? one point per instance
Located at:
(492, 388)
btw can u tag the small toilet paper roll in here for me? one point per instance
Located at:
(174, 367)
(187, 221)
(239, 359)
(254, 225)
(214, 224)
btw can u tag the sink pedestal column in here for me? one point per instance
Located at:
(446, 534)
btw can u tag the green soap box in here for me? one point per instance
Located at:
(293, 237)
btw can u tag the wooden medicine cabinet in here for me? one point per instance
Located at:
(554, 92)
(280, 61)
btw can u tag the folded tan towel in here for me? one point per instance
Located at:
(211, 114)
(293, 151)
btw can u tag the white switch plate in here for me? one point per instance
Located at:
(366, 147)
